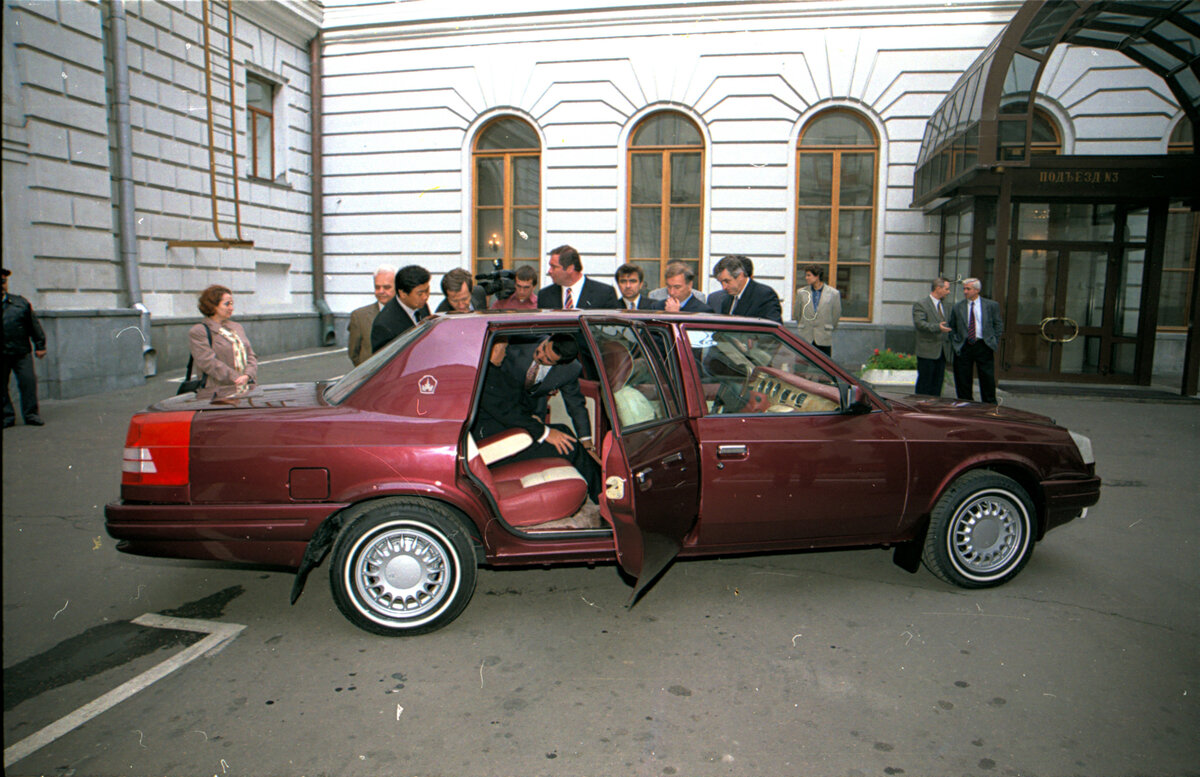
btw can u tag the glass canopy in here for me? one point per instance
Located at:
(988, 115)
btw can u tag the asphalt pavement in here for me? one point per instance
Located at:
(821, 663)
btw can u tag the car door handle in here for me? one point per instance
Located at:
(731, 451)
(674, 458)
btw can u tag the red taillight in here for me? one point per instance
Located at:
(156, 449)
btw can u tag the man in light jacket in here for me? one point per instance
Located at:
(934, 351)
(818, 307)
(362, 319)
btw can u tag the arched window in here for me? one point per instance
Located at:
(835, 206)
(508, 195)
(1046, 139)
(1182, 138)
(665, 194)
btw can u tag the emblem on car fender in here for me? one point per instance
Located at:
(427, 384)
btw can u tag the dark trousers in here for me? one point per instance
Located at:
(931, 373)
(26, 385)
(825, 349)
(978, 356)
(578, 457)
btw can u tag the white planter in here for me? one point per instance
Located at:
(905, 378)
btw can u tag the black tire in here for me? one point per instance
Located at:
(980, 531)
(404, 567)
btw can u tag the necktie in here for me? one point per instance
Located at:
(941, 314)
(531, 374)
(733, 305)
(568, 303)
(971, 322)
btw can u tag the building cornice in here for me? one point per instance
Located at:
(430, 18)
(297, 21)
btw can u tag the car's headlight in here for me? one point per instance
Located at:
(1084, 444)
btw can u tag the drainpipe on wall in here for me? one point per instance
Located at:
(126, 210)
(328, 336)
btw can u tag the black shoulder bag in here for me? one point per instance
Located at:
(188, 384)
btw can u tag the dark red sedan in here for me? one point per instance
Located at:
(714, 434)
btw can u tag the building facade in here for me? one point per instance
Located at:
(458, 136)
(109, 105)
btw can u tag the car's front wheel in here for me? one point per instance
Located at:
(404, 567)
(980, 531)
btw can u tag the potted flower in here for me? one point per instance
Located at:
(890, 368)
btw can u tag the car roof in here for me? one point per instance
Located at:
(542, 316)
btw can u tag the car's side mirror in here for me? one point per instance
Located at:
(852, 401)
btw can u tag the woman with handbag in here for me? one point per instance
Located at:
(220, 348)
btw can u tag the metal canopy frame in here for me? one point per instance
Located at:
(987, 118)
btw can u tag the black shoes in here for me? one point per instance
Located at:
(34, 420)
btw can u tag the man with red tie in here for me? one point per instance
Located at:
(975, 330)
(570, 289)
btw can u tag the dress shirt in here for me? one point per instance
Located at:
(411, 313)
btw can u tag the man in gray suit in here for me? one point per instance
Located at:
(362, 319)
(818, 307)
(933, 343)
(976, 327)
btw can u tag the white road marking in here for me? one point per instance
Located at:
(219, 635)
(276, 361)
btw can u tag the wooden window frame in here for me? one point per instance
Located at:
(507, 207)
(834, 208)
(664, 204)
(254, 114)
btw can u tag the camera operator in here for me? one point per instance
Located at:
(524, 289)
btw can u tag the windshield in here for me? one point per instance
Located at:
(337, 393)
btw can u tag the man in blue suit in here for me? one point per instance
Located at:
(679, 291)
(570, 288)
(746, 296)
(717, 298)
(976, 327)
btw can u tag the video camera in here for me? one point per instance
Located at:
(499, 283)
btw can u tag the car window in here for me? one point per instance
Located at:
(662, 346)
(757, 372)
(346, 385)
(635, 390)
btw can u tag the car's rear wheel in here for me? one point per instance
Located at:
(980, 531)
(404, 567)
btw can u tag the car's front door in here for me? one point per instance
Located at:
(781, 464)
(650, 462)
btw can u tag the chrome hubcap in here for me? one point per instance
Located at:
(988, 533)
(401, 573)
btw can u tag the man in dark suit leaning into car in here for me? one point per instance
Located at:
(512, 402)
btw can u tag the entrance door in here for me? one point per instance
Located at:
(1074, 292)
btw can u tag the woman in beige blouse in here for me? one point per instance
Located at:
(229, 361)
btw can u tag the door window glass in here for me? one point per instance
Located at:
(635, 390)
(756, 372)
